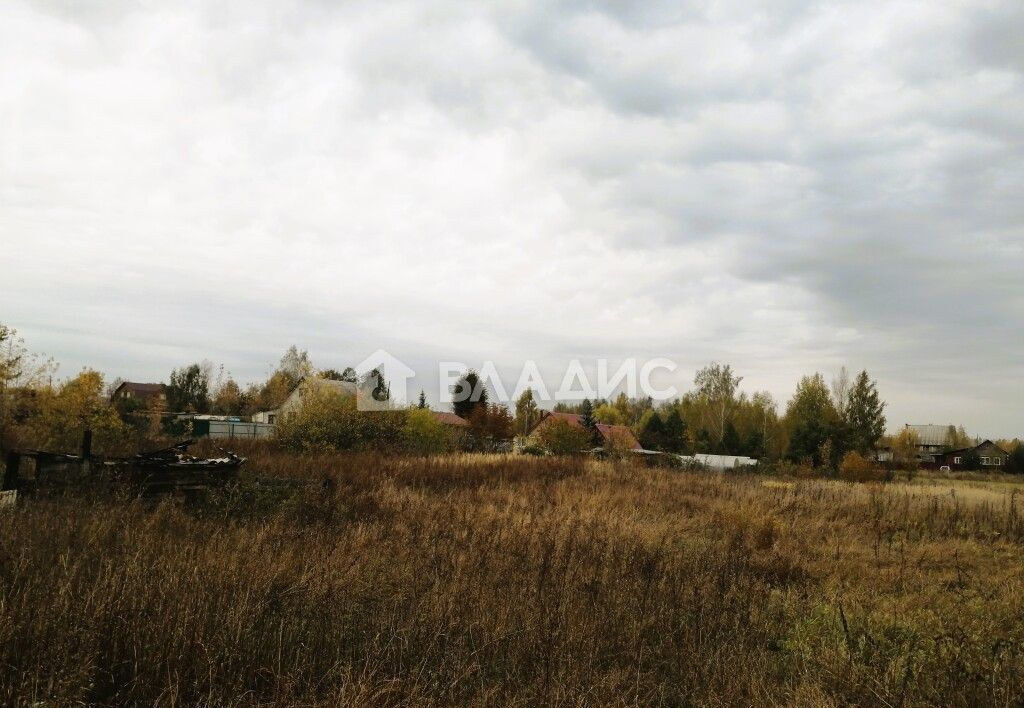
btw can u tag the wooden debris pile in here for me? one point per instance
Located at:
(168, 470)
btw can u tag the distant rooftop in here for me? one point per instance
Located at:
(930, 434)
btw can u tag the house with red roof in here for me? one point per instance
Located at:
(617, 435)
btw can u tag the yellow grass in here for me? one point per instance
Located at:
(494, 580)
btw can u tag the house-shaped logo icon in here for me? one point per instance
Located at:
(390, 388)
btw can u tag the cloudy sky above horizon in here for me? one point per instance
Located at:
(785, 186)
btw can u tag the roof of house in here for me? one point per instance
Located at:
(930, 434)
(620, 432)
(608, 432)
(141, 388)
(975, 447)
(316, 384)
(344, 387)
(450, 419)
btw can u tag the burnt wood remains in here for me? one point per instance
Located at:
(168, 470)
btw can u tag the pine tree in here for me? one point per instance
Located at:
(423, 400)
(588, 421)
(652, 431)
(675, 432)
(865, 414)
(468, 394)
(731, 440)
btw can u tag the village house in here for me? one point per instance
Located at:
(143, 393)
(309, 386)
(450, 419)
(611, 435)
(932, 441)
(315, 386)
(987, 454)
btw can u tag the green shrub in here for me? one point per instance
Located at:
(423, 434)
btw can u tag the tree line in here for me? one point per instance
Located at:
(819, 426)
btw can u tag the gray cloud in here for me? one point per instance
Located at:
(787, 187)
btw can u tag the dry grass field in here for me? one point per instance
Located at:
(502, 581)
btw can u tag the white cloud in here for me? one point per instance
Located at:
(782, 187)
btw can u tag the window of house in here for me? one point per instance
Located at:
(997, 460)
(984, 460)
(958, 460)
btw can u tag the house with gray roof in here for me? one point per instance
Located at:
(933, 440)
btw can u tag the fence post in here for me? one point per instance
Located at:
(13, 461)
(86, 464)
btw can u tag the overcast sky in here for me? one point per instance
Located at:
(785, 186)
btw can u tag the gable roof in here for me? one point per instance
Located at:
(983, 443)
(980, 445)
(607, 432)
(619, 432)
(449, 419)
(930, 434)
(315, 384)
(141, 389)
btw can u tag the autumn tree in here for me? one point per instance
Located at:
(63, 413)
(228, 398)
(904, 449)
(527, 412)
(716, 388)
(22, 375)
(490, 424)
(560, 437)
(763, 432)
(957, 438)
(296, 365)
(841, 390)
(274, 391)
(814, 423)
(189, 389)
(609, 413)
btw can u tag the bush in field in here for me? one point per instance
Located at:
(327, 420)
(857, 468)
(324, 421)
(563, 438)
(423, 434)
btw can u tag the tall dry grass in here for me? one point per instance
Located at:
(497, 580)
